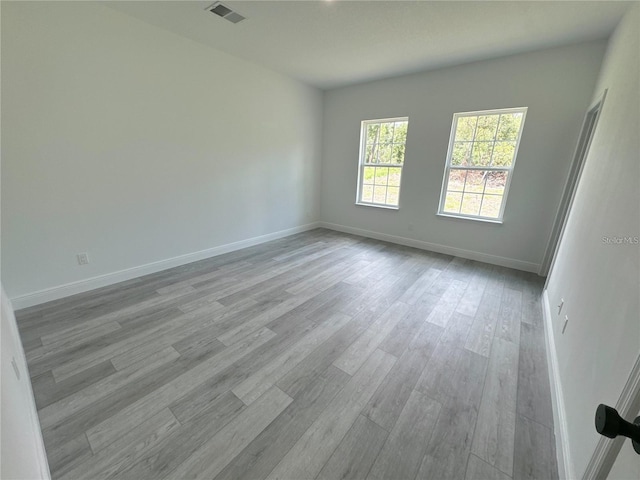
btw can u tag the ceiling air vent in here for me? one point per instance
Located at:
(225, 12)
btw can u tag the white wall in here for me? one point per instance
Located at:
(600, 282)
(136, 145)
(627, 465)
(22, 450)
(555, 84)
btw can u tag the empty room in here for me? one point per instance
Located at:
(324, 239)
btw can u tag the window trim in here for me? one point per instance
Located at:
(448, 167)
(362, 165)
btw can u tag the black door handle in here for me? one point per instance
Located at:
(610, 424)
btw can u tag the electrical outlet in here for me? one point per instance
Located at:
(83, 258)
(561, 305)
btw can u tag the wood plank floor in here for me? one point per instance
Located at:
(321, 355)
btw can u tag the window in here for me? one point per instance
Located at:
(482, 153)
(382, 145)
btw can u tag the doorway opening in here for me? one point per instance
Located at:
(582, 149)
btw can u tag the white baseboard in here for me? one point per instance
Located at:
(80, 286)
(434, 247)
(563, 454)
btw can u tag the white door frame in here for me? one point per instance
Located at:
(606, 452)
(589, 125)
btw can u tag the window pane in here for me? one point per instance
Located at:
(379, 194)
(461, 153)
(491, 206)
(452, 202)
(503, 153)
(398, 154)
(456, 180)
(381, 175)
(481, 154)
(471, 204)
(480, 160)
(400, 132)
(465, 128)
(385, 154)
(386, 132)
(367, 193)
(393, 194)
(487, 125)
(496, 182)
(371, 154)
(372, 132)
(509, 126)
(475, 181)
(381, 160)
(367, 176)
(394, 176)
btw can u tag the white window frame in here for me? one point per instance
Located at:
(362, 164)
(509, 169)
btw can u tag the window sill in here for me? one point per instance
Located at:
(384, 207)
(475, 219)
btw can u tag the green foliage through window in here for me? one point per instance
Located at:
(480, 162)
(381, 162)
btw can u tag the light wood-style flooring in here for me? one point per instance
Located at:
(317, 356)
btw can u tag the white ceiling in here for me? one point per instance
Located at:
(334, 43)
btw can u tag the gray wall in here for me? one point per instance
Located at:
(599, 281)
(555, 84)
(136, 145)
